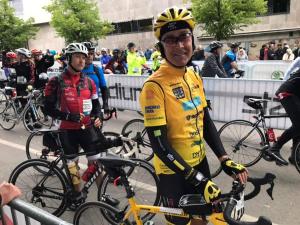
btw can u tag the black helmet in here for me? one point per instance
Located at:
(214, 45)
(130, 45)
(235, 44)
(116, 51)
(88, 45)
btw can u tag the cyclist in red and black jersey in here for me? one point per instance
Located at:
(289, 96)
(72, 98)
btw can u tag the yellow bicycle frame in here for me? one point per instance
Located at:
(135, 209)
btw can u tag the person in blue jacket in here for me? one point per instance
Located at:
(229, 60)
(96, 74)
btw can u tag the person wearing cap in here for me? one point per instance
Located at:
(229, 60)
(42, 63)
(104, 57)
(177, 119)
(135, 62)
(8, 63)
(117, 64)
(96, 74)
(212, 66)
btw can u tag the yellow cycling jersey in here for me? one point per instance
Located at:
(175, 97)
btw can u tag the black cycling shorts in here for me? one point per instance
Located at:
(87, 138)
(173, 186)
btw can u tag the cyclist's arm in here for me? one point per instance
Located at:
(292, 67)
(234, 65)
(164, 151)
(212, 61)
(103, 88)
(51, 98)
(96, 110)
(212, 137)
(32, 73)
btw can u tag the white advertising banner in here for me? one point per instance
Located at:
(228, 97)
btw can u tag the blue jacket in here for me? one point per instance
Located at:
(89, 71)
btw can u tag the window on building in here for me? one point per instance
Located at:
(278, 6)
(133, 26)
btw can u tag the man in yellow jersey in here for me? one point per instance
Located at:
(177, 118)
(134, 61)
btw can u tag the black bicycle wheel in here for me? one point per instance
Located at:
(3, 101)
(8, 117)
(142, 148)
(297, 157)
(41, 121)
(96, 213)
(144, 181)
(242, 141)
(44, 190)
(36, 150)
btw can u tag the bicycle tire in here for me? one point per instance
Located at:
(96, 213)
(34, 176)
(231, 139)
(8, 116)
(3, 101)
(143, 144)
(29, 124)
(296, 155)
(36, 150)
(145, 191)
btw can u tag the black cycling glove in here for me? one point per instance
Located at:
(209, 189)
(232, 168)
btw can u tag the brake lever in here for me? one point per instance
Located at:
(270, 180)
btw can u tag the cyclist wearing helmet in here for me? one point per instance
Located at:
(229, 60)
(135, 62)
(177, 119)
(42, 63)
(96, 74)
(8, 63)
(212, 65)
(116, 65)
(104, 57)
(72, 98)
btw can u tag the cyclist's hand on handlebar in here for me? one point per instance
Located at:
(235, 170)
(209, 189)
(98, 122)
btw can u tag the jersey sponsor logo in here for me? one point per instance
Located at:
(194, 133)
(178, 92)
(154, 118)
(195, 86)
(190, 105)
(196, 143)
(149, 94)
(151, 108)
(193, 116)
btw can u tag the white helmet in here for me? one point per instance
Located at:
(24, 51)
(76, 48)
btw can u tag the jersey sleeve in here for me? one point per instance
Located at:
(152, 105)
(94, 90)
(102, 82)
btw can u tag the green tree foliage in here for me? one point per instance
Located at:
(14, 32)
(77, 20)
(222, 18)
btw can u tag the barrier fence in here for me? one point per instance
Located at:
(19, 212)
(228, 97)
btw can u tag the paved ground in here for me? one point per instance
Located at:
(282, 210)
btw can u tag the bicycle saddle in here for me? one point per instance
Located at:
(114, 161)
(256, 103)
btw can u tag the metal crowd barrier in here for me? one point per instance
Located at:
(31, 214)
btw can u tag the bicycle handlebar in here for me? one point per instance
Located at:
(112, 112)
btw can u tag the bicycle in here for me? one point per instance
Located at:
(246, 142)
(135, 129)
(193, 205)
(30, 114)
(46, 185)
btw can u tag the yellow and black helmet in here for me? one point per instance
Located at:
(173, 16)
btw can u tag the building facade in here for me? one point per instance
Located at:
(133, 21)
